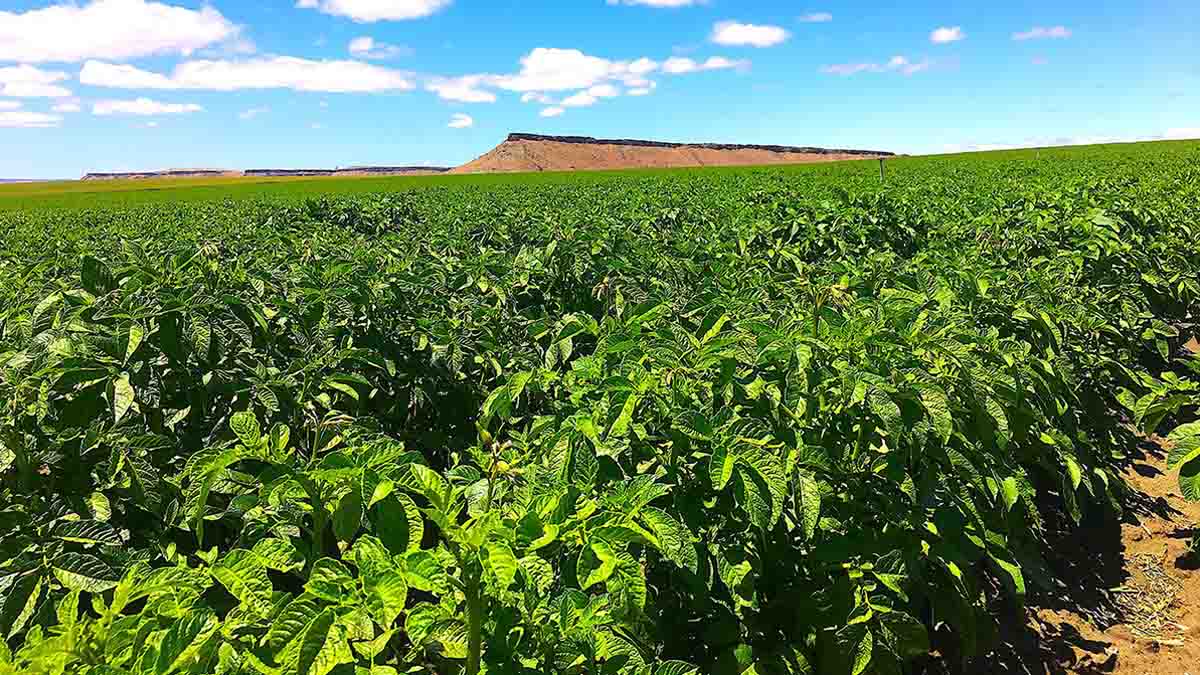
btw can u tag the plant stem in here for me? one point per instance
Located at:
(474, 623)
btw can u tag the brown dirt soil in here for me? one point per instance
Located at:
(1134, 608)
(526, 155)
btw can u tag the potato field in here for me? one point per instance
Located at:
(756, 421)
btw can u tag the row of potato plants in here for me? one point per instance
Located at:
(738, 422)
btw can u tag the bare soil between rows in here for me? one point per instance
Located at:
(1130, 601)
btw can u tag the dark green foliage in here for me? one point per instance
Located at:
(755, 421)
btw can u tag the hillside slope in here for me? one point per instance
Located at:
(529, 152)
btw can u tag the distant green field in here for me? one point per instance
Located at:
(115, 193)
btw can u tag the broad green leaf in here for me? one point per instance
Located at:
(420, 620)
(399, 523)
(386, 592)
(292, 621)
(809, 505)
(245, 425)
(96, 277)
(84, 572)
(861, 656)
(244, 575)
(123, 397)
(620, 426)
(90, 532)
(134, 340)
(676, 668)
(720, 466)
(99, 506)
(903, 635)
(888, 412)
(322, 647)
(596, 564)
(674, 540)
(425, 572)
(1013, 579)
(347, 518)
(771, 471)
(1010, 492)
(1189, 479)
(937, 405)
(1184, 443)
(329, 580)
(381, 491)
(451, 637)
(503, 563)
(279, 554)
(540, 574)
(184, 639)
(1073, 471)
(18, 604)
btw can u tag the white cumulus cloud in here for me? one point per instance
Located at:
(143, 106)
(461, 121)
(1039, 33)
(465, 89)
(547, 70)
(109, 29)
(552, 112)
(67, 107)
(365, 47)
(946, 34)
(734, 34)
(21, 119)
(278, 72)
(369, 11)
(9, 105)
(26, 81)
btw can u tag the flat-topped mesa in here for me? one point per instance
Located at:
(167, 173)
(390, 170)
(288, 172)
(535, 152)
(588, 140)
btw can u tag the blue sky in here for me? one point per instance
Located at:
(95, 85)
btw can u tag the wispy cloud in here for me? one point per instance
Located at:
(276, 72)
(659, 3)
(816, 17)
(143, 106)
(365, 47)
(1040, 33)
(461, 121)
(21, 119)
(253, 112)
(552, 112)
(897, 64)
(947, 34)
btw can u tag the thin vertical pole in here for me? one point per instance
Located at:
(882, 174)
